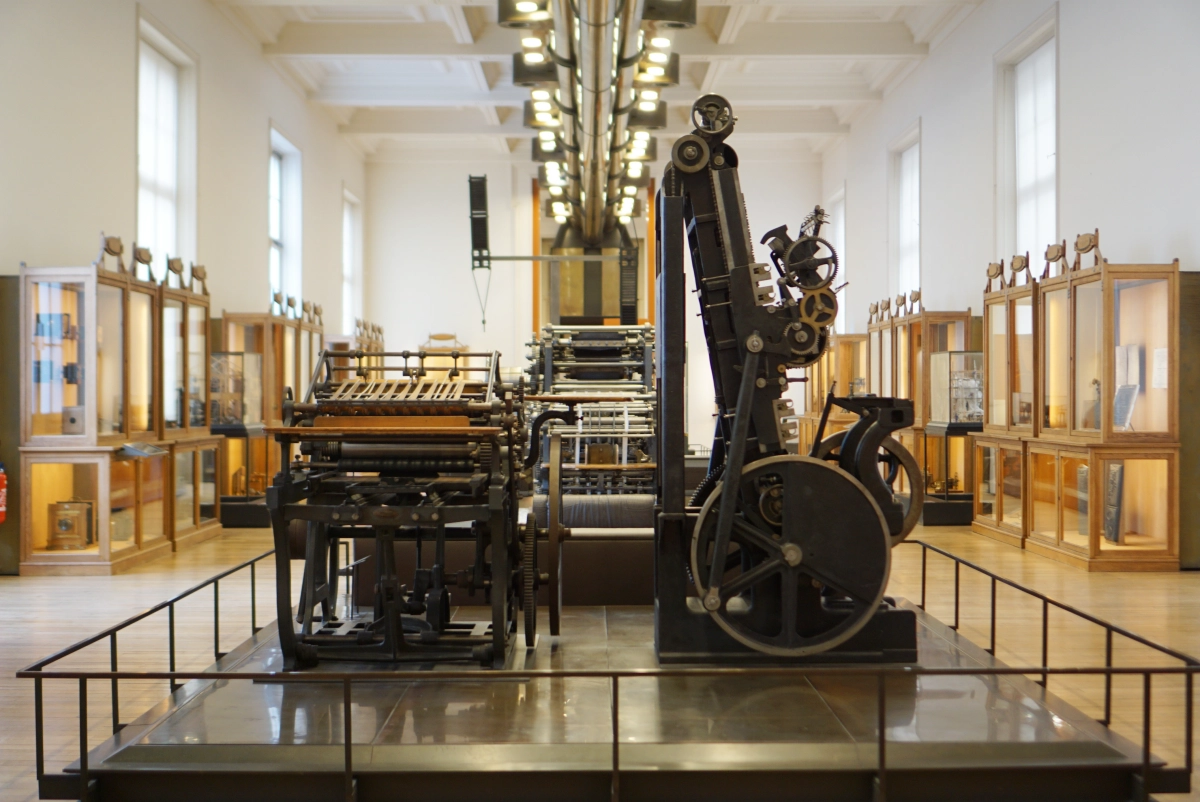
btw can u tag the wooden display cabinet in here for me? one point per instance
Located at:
(880, 348)
(1102, 446)
(93, 470)
(92, 511)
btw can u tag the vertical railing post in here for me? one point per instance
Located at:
(1144, 793)
(992, 636)
(39, 731)
(112, 662)
(957, 565)
(1045, 640)
(253, 597)
(1187, 720)
(881, 774)
(924, 557)
(171, 643)
(347, 736)
(217, 620)
(616, 736)
(83, 740)
(1108, 663)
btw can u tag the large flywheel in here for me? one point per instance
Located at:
(807, 560)
(893, 458)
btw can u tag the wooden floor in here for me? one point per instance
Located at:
(45, 613)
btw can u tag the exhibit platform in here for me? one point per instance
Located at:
(786, 736)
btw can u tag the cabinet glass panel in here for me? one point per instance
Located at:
(956, 387)
(1010, 488)
(997, 359)
(1056, 359)
(185, 490)
(289, 359)
(1022, 378)
(1089, 326)
(1141, 364)
(305, 363)
(1075, 528)
(948, 336)
(876, 364)
(197, 344)
(56, 380)
(886, 363)
(154, 498)
(858, 368)
(110, 359)
(985, 487)
(174, 398)
(1043, 496)
(903, 390)
(208, 484)
(63, 507)
(122, 512)
(141, 362)
(1135, 514)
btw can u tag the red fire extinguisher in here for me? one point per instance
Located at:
(3, 494)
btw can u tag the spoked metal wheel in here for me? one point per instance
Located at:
(529, 579)
(893, 458)
(807, 560)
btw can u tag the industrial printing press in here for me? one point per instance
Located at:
(794, 563)
(388, 449)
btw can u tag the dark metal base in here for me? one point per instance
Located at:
(958, 510)
(237, 513)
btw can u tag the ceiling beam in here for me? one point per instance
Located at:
(756, 40)
(774, 123)
(408, 95)
(794, 40)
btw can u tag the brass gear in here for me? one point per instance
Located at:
(819, 307)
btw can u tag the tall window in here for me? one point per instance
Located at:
(275, 221)
(158, 153)
(351, 265)
(908, 218)
(1035, 156)
(284, 217)
(837, 238)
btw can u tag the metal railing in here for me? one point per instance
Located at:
(1150, 777)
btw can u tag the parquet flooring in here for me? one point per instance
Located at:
(45, 613)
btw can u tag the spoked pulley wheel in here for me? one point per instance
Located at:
(807, 560)
(893, 458)
(529, 579)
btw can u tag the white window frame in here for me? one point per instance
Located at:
(156, 36)
(909, 138)
(835, 233)
(291, 242)
(352, 261)
(1041, 31)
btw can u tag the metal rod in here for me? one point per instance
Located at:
(346, 736)
(1144, 791)
(39, 730)
(171, 642)
(253, 606)
(924, 556)
(1187, 723)
(557, 258)
(956, 567)
(116, 704)
(1045, 641)
(1108, 663)
(216, 620)
(616, 760)
(83, 740)
(881, 774)
(992, 637)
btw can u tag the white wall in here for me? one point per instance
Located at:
(68, 145)
(779, 187)
(1127, 154)
(418, 252)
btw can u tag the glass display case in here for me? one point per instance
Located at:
(97, 511)
(185, 328)
(236, 414)
(875, 361)
(999, 503)
(956, 387)
(195, 477)
(236, 389)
